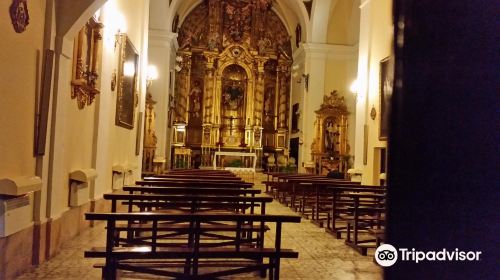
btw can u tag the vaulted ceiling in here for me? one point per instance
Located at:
(292, 12)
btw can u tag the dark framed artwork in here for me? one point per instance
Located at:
(44, 103)
(386, 85)
(295, 118)
(298, 35)
(138, 136)
(126, 100)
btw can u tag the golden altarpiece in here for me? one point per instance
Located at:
(232, 92)
(330, 149)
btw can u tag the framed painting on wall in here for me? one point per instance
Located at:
(386, 85)
(126, 100)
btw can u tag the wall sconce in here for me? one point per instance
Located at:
(121, 28)
(373, 113)
(354, 88)
(113, 80)
(152, 75)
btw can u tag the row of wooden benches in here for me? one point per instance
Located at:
(346, 209)
(190, 225)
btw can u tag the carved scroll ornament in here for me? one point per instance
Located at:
(19, 15)
(86, 62)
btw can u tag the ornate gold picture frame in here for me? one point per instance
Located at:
(128, 67)
(386, 85)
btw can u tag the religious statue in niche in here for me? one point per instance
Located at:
(195, 95)
(19, 15)
(233, 95)
(268, 110)
(331, 137)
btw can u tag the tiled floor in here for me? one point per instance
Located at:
(320, 256)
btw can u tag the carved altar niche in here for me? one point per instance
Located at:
(195, 100)
(232, 108)
(330, 148)
(86, 63)
(238, 50)
(269, 114)
(150, 138)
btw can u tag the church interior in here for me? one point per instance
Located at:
(351, 122)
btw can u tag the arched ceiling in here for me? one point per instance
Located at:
(290, 11)
(315, 29)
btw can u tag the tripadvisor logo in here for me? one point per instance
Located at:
(386, 255)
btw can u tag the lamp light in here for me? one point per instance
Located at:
(129, 69)
(152, 72)
(152, 75)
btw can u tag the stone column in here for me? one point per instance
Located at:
(162, 52)
(362, 94)
(313, 86)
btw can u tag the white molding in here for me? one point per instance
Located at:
(364, 3)
(162, 38)
(344, 52)
(298, 54)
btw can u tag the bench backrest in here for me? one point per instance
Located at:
(192, 190)
(195, 183)
(195, 176)
(192, 202)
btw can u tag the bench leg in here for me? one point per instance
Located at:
(271, 268)
(187, 267)
(277, 269)
(263, 272)
(109, 272)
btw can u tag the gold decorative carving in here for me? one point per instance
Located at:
(236, 55)
(150, 138)
(19, 15)
(86, 63)
(330, 150)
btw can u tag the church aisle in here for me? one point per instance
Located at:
(321, 257)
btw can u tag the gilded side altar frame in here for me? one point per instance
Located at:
(87, 60)
(332, 116)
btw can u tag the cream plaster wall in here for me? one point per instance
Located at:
(116, 145)
(379, 41)
(20, 56)
(88, 138)
(343, 24)
(340, 73)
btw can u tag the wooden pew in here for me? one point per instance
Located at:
(162, 256)
(195, 183)
(189, 202)
(198, 171)
(364, 218)
(304, 192)
(276, 184)
(340, 211)
(194, 176)
(288, 187)
(192, 190)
